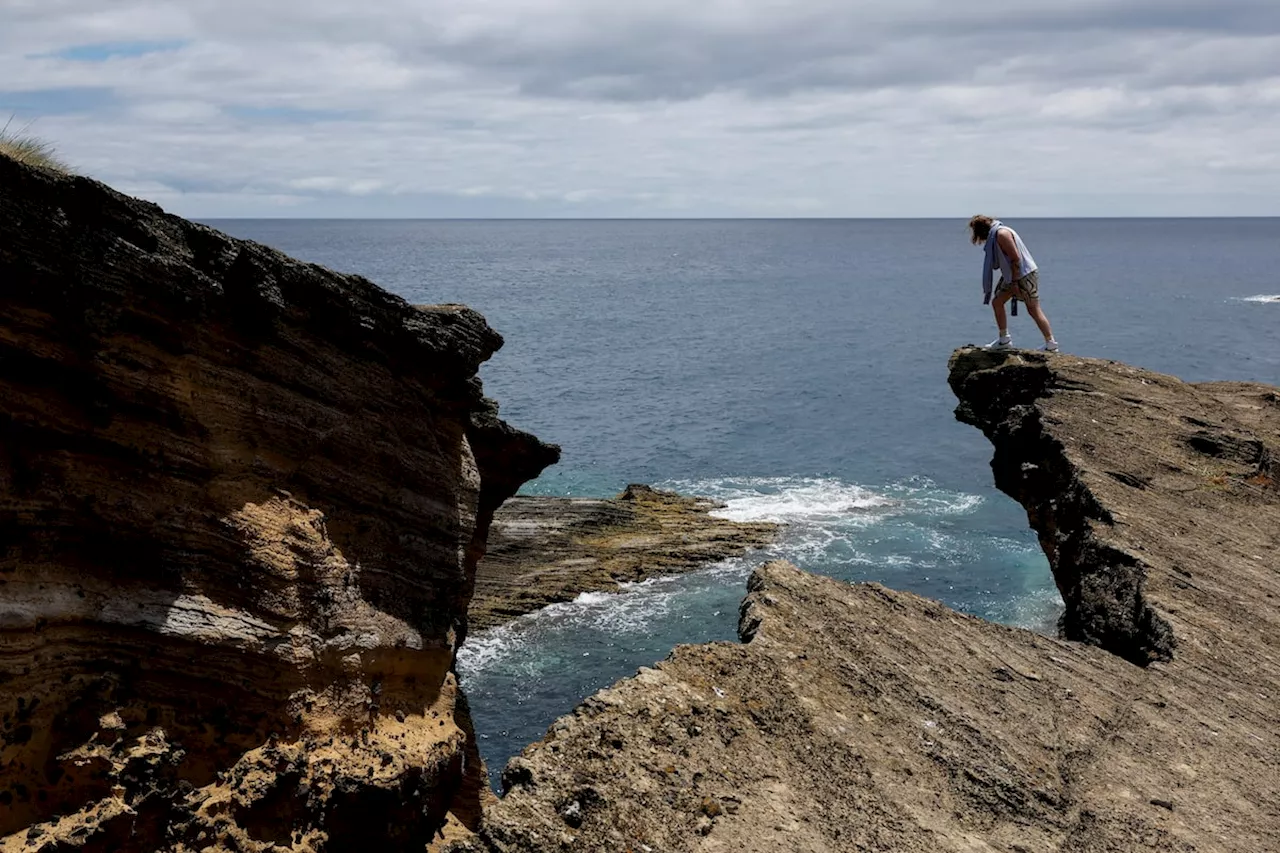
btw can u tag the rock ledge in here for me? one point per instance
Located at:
(858, 718)
(544, 550)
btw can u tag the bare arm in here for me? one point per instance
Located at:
(1005, 241)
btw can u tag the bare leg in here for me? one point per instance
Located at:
(997, 307)
(1033, 308)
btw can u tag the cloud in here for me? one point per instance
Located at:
(724, 107)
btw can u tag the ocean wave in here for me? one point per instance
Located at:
(1037, 611)
(789, 500)
(907, 534)
(847, 530)
(822, 500)
(631, 610)
(1262, 297)
(490, 648)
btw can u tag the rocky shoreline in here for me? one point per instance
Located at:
(859, 718)
(249, 509)
(543, 550)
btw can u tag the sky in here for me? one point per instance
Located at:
(660, 108)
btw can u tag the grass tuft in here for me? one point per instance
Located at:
(29, 150)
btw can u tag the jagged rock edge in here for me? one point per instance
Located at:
(1101, 585)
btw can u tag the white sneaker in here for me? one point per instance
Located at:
(1002, 342)
(1049, 346)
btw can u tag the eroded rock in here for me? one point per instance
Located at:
(543, 550)
(859, 718)
(241, 501)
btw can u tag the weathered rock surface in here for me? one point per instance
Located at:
(241, 502)
(543, 550)
(857, 718)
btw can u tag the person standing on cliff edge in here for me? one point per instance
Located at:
(1019, 278)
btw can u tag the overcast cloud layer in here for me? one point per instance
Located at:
(658, 108)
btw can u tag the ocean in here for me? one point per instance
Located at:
(796, 371)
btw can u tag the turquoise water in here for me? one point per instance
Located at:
(795, 370)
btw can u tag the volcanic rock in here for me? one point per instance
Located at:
(241, 503)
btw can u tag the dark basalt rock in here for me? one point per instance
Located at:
(1101, 585)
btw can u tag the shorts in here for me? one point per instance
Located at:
(1025, 288)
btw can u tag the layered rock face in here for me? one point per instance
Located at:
(544, 550)
(241, 503)
(857, 718)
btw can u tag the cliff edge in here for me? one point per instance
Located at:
(241, 503)
(859, 718)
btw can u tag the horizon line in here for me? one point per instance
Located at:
(198, 218)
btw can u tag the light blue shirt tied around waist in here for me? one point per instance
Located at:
(992, 256)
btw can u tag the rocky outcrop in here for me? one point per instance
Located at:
(241, 503)
(544, 550)
(857, 718)
(1133, 481)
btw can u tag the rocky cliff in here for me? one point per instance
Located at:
(544, 550)
(241, 503)
(858, 718)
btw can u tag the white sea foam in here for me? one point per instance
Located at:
(825, 500)
(489, 648)
(786, 500)
(922, 495)
(946, 503)
(629, 611)
(1262, 297)
(1036, 611)
(829, 524)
